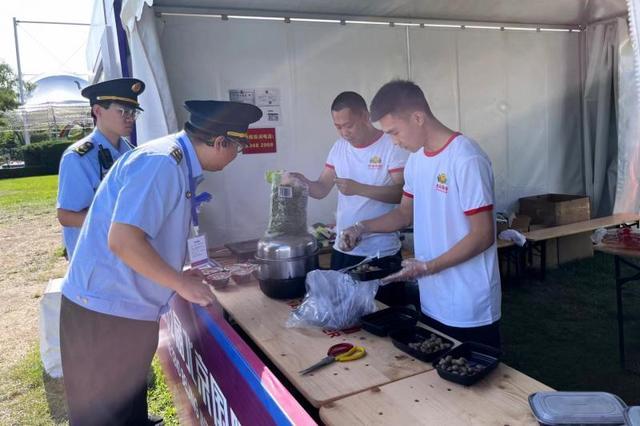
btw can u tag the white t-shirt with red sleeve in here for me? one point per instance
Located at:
(372, 165)
(447, 187)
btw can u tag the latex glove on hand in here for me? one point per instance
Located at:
(351, 237)
(412, 269)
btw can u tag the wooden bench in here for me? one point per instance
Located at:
(538, 239)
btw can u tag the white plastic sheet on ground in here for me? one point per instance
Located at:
(50, 328)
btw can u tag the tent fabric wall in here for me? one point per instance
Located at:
(627, 189)
(600, 148)
(159, 118)
(516, 93)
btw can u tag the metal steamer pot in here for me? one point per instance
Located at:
(284, 261)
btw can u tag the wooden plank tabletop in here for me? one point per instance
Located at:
(616, 251)
(505, 243)
(293, 349)
(580, 227)
(499, 399)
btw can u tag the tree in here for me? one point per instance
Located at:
(8, 101)
(8, 88)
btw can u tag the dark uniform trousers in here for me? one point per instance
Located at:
(105, 362)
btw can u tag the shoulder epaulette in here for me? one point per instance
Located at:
(82, 149)
(176, 154)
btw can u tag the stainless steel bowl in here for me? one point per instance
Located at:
(284, 262)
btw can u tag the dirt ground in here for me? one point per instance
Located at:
(30, 255)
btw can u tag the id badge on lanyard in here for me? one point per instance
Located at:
(196, 245)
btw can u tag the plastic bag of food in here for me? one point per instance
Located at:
(289, 196)
(334, 300)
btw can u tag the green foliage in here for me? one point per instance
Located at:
(46, 154)
(24, 172)
(8, 88)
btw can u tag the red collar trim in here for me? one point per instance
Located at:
(434, 153)
(370, 143)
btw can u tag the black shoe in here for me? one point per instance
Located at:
(153, 420)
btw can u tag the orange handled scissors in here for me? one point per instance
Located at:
(342, 352)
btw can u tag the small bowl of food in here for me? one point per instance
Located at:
(218, 279)
(241, 272)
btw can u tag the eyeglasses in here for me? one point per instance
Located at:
(129, 113)
(239, 146)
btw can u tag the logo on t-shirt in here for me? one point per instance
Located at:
(441, 185)
(375, 162)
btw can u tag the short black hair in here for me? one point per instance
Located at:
(398, 96)
(103, 104)
(350, 100)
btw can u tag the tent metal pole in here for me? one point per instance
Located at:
(25, 132)
(15, 36)
(213, 12)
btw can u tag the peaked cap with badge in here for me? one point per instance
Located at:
(222, 118)
(124, 91)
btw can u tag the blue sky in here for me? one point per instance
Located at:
(46, 49)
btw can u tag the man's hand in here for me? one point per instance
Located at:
(300, 177)
(194, 289)
(348, 186)
(413, 269)
(351, 236)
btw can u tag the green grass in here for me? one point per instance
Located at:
(159, 397)
(563, 331)
(28, 193)
(38, 399)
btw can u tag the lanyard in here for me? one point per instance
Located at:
(196, 200)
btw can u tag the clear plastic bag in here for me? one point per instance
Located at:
(289, 197)
(334, 300)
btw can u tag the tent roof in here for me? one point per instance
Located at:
(56, 90)
(548, 12)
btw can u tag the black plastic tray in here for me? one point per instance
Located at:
(402, 338)
(376, 275)
(386, 320)
(475, 353)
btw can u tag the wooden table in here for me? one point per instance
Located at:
(499, 399)
(619, 256)
(293, 349)
(538, 238)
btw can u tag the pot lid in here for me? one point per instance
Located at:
(554, 408)
(286, 246)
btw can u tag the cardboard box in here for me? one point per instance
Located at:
(572, 248)
(521, 223)
(556, 209)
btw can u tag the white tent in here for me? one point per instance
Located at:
(546, 87)
(54, 103)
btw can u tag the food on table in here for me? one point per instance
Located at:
(241, 272)
(218, 279)
(460, 366)
(430, 345)
(366, 268)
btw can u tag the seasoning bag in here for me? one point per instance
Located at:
(289, 196)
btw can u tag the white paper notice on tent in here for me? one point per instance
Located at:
(267, 99)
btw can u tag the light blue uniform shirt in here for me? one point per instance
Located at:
(147, 188)
(79, 178)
